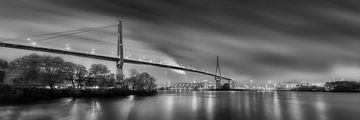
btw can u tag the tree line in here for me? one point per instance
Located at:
(45, 70)
(343, 86)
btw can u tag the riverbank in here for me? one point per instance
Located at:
(28, 95)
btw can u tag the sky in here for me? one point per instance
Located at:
(260, 40)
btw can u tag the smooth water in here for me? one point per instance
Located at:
(209, 105)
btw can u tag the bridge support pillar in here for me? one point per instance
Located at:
(218, 78)
(218, 84)
(120, 54)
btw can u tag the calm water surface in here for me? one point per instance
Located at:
(242, 105)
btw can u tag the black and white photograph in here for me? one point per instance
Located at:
(179, 60)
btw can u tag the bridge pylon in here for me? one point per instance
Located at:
(120, 54)
(218, 77)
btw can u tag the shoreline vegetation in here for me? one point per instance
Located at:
(34, 77)
(10, 94)
(334, 86)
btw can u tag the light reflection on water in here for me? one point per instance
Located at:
(210, 105)
(276, 106)
(295, 107)
(321, 106)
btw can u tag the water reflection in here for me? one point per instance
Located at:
(247, 106)
(276, 106)
(321, 107)
(169, 106)
(210, 105)
(295, 107)
(190, 105)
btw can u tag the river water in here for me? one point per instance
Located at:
(205, 105)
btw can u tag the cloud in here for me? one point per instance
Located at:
(255, 39)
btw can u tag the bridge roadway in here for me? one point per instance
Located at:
(100, 57)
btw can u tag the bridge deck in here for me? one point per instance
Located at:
(100, 57)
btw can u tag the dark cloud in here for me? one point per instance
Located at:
(264, 39)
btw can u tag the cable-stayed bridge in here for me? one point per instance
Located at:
(119, 59)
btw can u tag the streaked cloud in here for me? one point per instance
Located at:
(257, 39)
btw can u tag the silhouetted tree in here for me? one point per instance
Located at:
(141, 81)
(80, 74)
(342, 86)
(133, 76)
(51, 70)
(148, 81)
(45, 70)
(25, 70)
(90, 81)
(111, 79)
(99, 69)
(99, 72)
(68, 71)
(3, 66)
(226, 86)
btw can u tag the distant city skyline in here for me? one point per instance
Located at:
(256, 40)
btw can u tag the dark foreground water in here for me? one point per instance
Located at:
(242, 105)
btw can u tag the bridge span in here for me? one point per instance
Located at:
(100, 57)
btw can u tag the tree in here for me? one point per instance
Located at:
(68, 71)
(51, 70)
(25, 70)
(342, 86)
(111, 79)
(80, 74)
(3, 66)
(226, 86)
(133, 76)
(148, 81)
(90, 81)
(45, 70)
(99, 72)
(141, 81)
(98, 69)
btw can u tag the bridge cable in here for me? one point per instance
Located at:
(69, 32)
